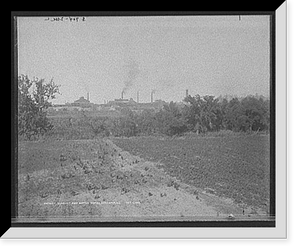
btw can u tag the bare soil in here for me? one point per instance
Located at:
(94, 180)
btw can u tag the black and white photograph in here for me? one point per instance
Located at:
(154, 118)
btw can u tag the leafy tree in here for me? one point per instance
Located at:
(127, 127)
(33, 100)
(232, 112)
(256, 111)
(146, 122)
(249, 114)
(170, 120)
(203, 113)
(192, 113)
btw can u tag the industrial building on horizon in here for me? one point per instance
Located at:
(84, 104)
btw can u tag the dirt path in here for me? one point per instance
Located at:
(86, 180)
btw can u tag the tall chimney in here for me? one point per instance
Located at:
(152, 92)
(137, 97)
(122, 95)
(186, 93)
(88, 96)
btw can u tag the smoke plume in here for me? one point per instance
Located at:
(132, 73)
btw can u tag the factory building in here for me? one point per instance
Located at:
(115, 105)
(82, 102)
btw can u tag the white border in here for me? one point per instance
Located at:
(281, 120)
(279, 232)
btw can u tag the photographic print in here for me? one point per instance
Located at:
(145, 119)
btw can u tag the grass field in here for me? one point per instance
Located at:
(237, 167)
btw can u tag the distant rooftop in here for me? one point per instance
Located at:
(82, 100)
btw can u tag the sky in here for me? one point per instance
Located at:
(208, 55)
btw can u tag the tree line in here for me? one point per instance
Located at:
(199, 114)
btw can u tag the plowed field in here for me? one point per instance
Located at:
(234, 167)
(137, 179)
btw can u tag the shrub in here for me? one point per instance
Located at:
(96, 124)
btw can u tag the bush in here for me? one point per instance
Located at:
(123, 126)
(99, 126)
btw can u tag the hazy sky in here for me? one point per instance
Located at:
(208, 55)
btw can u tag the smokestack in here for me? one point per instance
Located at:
(152, 96)
(88, 96)
(122, 95)
(186, 93)
(137, 97)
